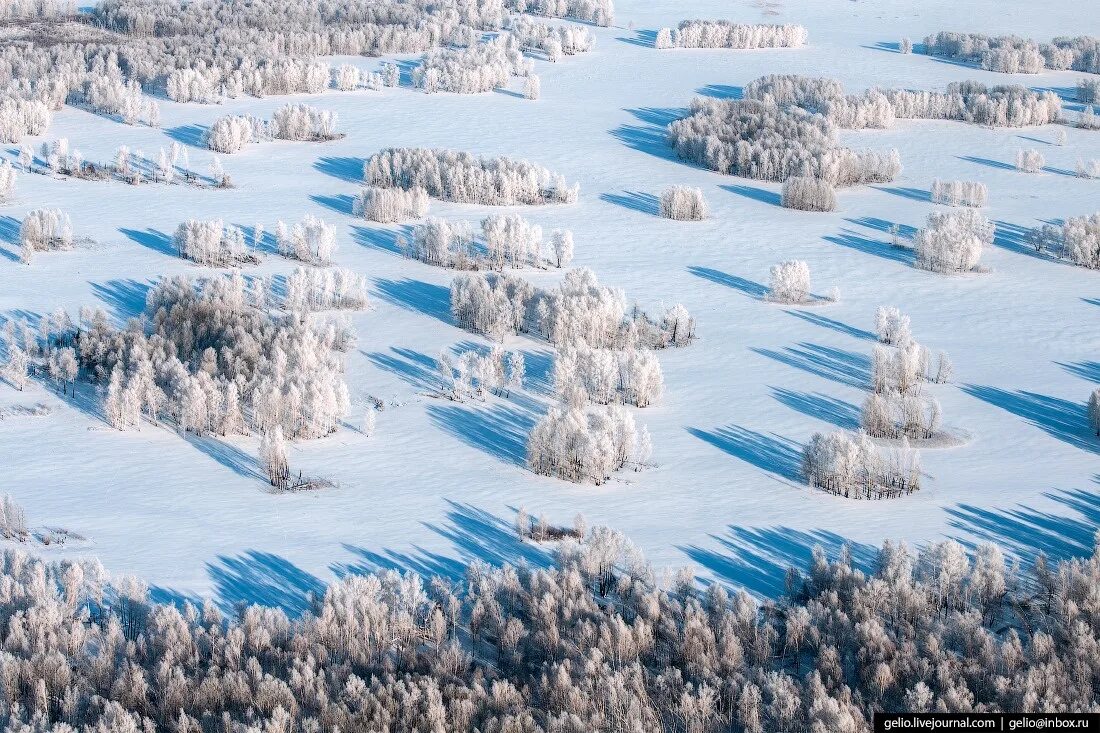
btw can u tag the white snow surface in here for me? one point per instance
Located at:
(438, 484)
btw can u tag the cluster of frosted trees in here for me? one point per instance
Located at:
(590, 643)
(316, 289)
(479, 68)
(348, 77)
(579, 310)
(683, 203)
(959, 193)
(464, 178)
(808, 194)
(1088, 168)
(211, 243)
(310, 240)
(769, 141)
(111, 95)
(724, 34)
(596, 12)
(1015, 55)
(210, 84)
(22, 117)
(37, 9)
(585, 375)
(967, 101)
(44, 230)
(58, 158)
(572, 444)
(553, 41)
(789, 282)
(210, 358)
(233, 133)
(389, 205)
(850, 465)
(13, 521)
(1029, 161)
(952, 241)
(897, 406)
(472, 374)
(507, 241)
(1078, 240)
(8, 177)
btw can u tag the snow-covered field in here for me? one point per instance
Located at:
(438, 483)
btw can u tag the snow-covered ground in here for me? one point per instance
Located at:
(438, 484)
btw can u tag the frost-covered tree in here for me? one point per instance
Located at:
(582, 447)
(905, 46)
(303, 122)
(683, 203)
(959, 193)
(389, 205)
(532, 87)
(790, 282)
(234, 133)
(45, 230)
(7, 181)
(1029, 161)
(1094, 411)
(311, 289)
(273, 458)
(952, 241)
(212, 243)
(892, 326)
(851, 466)
(311, 240)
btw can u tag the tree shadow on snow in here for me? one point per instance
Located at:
(1025, 532)
(721, 91)
(125, 297)
(227, 454)
(833, 325)
(748, 287)
(192, 135)
(418, 370)
(1062, 419)
(643, 38)
(9, 234)
(762, 195)
(1087, 370)
(340, 203)
(823, 407)
(158, 242)
(498, 430)
(646, 203)
(265, 579)
(858, 242)
(384, 239)
(757, 558)
(914, 194)
(844, 367)
(998, 164)
(652, 135)
(416, 295)
(771, 453)
(343, 168)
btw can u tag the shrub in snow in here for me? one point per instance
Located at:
(473, 70)
(1088, 168)
(211, 359)
(905, 46)
(852, 467)
(790, 282)
(1029, 161)
(808, 194)
(311, 240)
(952, 241)
(302, 122)
(315, 289)
(460, 177)
(212, 243)
(724, 34)
(389, 205)
(45, 230)
(683, 203)
(959, 193)
(7, 181)
(768, 141)
(574, 445)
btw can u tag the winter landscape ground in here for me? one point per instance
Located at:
(438, 482)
